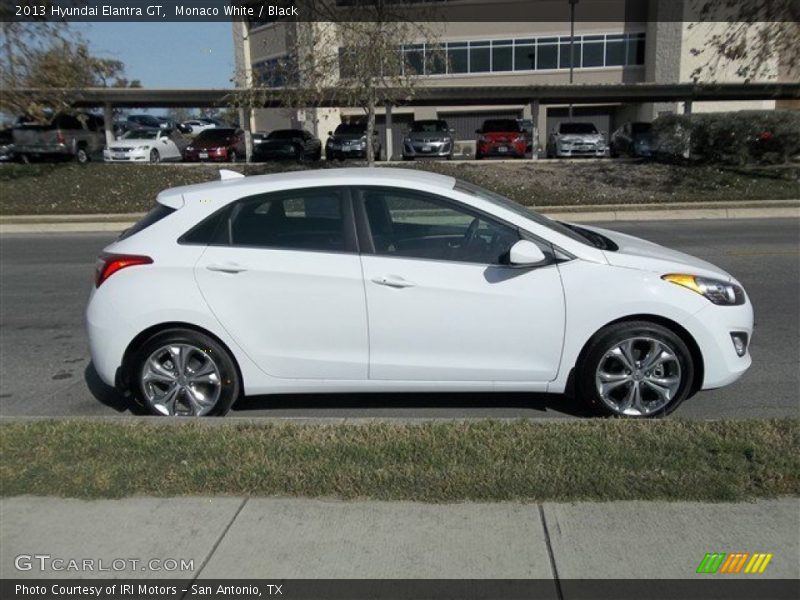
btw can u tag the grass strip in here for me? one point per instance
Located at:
(68, 188)
(430, 462)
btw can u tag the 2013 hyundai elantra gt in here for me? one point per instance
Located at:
(354, 280)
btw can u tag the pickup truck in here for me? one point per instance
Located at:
(68, 136)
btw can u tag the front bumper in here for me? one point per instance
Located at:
(580, 150)
(433, 149)
(132, 156)
(515, 150)
(346, 151)
(721, 364)
(202, 155)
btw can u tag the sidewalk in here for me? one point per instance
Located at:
(600, 212)
(302, 538)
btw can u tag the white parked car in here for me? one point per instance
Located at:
(145, 145)
(198, 125)
(354, 280)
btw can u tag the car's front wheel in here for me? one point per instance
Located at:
(155, 157)
(180, 372)
(635, 369)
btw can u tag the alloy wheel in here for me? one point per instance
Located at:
(181, 380)
(638, 376)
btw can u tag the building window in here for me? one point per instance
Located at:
(547, 53)
(524, 54)
(503, 55)
(273, 72)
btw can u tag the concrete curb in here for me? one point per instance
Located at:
(84, 223)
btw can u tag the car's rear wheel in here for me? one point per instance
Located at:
(635, 369)
(82, 155)
(180, 372)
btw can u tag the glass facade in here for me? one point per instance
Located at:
(527, 54)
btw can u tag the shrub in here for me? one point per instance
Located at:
(737, 138)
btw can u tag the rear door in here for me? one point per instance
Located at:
(441, 304)
(283, 277)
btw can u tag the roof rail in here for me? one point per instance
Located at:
(226, 174)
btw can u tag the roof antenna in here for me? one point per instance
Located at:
(226, 174)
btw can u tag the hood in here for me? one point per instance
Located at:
(636, 253)
(428, 136)
(280, 143)
(131, 143)
(341, 137)
(502, 136)
(208, 143)
(580, 137)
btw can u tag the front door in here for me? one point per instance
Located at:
(440, 303)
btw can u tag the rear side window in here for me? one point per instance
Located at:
(158, 212)
(310, 219)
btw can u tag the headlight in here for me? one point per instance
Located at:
(189, 148)
(142, 147)
(723, 293)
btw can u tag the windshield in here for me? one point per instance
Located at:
(284, 134)
(350, 129)
(429, 126)
(141, 134)
(579, 128)
(642, 128)
(516, 208)
(214, 135)
(501, 125)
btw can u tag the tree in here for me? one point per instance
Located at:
(755, 39)
(39, 56)
(340, 57)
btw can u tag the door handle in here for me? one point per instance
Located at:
(393, 281)
(226, 268)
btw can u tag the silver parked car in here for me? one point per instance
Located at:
(576, 139)
(428, 138)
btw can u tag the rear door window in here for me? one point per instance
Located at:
(307, 219)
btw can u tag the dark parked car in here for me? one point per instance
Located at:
(221, 144)
(428, 138)
(144, 121)
(349, 140)
(6, 145)
(296, 144)
(501, 137)
(632, 139)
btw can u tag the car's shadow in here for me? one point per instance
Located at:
(338, 405)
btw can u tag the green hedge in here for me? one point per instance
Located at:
(734, 138)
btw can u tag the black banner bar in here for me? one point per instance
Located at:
(265, 12)
(701, 588)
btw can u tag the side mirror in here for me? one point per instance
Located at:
(330, 133)
(525, 254)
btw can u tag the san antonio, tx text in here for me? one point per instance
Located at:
(139, 589)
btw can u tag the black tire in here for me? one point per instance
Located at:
(478, 156)
(81, 155)
(230, 384)
(155, 157)
(605, 340)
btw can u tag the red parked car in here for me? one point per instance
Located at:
(223, 144)
(501, 137)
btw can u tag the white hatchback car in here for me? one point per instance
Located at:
(353, 280)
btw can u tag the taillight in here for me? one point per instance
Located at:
(765, 136)
(108, 264)
(60, 139)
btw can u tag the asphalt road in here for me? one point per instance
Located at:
(45, 369)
